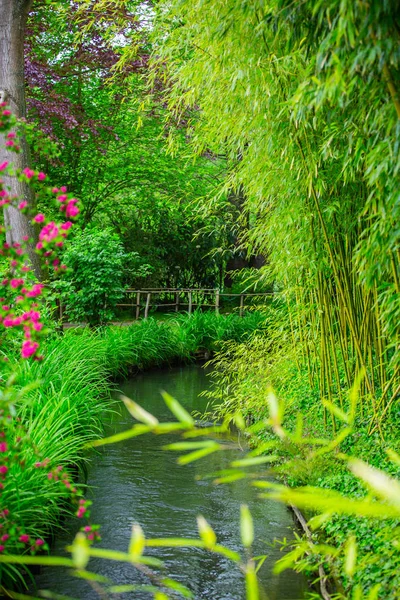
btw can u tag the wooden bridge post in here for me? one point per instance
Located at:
(146, 310)
(241, 305)
(190, 303)
(176, 301)
(137, 305)
(217, 302)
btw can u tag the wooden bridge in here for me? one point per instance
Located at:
(141, 301)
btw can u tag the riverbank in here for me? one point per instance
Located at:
(60, 404)
(318, 459)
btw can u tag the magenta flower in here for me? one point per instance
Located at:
(39, 218)
(14, 283)
(28, 173)
(23, 205)
(3, 447)
(24, 538)
(3, 470)
(28, 348)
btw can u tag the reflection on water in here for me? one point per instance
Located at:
(137, 481)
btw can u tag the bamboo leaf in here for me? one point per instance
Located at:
(254, 460)
(192, 456)
(177, 409)
(246, 526)
(139, 413)
(206, 532)
(137, 543)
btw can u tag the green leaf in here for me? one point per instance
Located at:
(246, 526)
(206, 532)
(137, 542)
(350, 553)
(80, 551)
(139, 413)
(254, 460)
(180, 413)
(192, 456)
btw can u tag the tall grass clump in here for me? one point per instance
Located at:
(59, 407)
(152, 343)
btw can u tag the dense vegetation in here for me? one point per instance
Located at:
(212, 144)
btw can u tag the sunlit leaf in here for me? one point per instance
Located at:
(246, 526)
(139, 413)
(350, 553)
(192, 456)
(177, 409)
(80, 551)
(206, 532)
(254, 460)
(137, 542)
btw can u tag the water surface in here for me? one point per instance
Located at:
(137, 481)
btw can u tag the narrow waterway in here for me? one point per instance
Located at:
(137, 481)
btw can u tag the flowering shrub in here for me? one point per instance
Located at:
(21, 301)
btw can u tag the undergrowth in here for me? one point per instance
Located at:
(243, 375)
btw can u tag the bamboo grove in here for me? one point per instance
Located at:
(303, 100)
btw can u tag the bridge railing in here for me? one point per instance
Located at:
(181, 298)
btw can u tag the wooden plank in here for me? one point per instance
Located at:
(137, 305)
(146, 310)
(190, 303)
(217, 302)
(241, 305)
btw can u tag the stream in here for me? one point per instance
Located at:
(137, 481)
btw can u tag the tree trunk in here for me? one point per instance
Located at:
(13, 15)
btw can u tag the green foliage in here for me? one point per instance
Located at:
(93, 284)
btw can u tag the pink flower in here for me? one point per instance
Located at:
(4, 537)
(11, 135)
(14, 283)
(23, 205)
(3, 470)
(62, 198)
(3, 447)
(28, 348)
(2, 547)
(36, 289)
(39, 542)
(24, 538)
(39, 246)
(41, 176)
(3, 165)
(39, 218)
(80, 512)
(49, 232)
(67, 225)
(63, 188)
(6, 113)
(28, 173)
